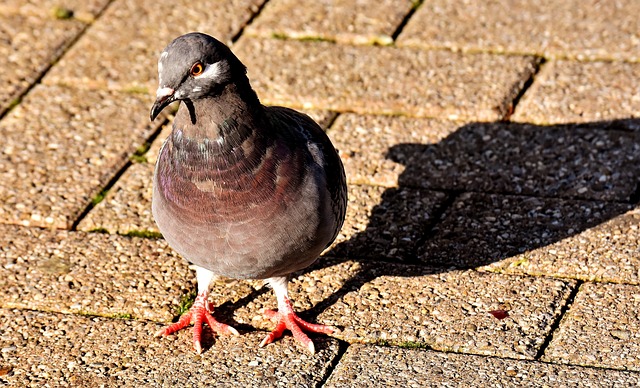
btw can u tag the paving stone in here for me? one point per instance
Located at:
(365, 142)
(117, 53)
(567, 92)
(342, 21)
(29, 44)
(127, 205)
(589, 161)
(106, 275)
(60, 9)
(480, 229)
(388, 80)
(448, 310)
(606, 252)
(100, 274)
(375, 366)
(554, 28)
(385, 223)
(61, 146)
(64, 350)
(601, 329)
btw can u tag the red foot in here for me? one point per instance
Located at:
(199, 313)
(287, 319)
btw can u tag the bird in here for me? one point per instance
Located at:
(240, 190)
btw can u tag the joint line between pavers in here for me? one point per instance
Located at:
(539, 63)
(513, 194)
(428, 228)
(342, 349)
(105, 189)
(253, 17)
(416, 4)
(329, 124)
(634, 198)
(63, 50)
(556, 323)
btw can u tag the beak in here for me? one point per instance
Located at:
(164, 97)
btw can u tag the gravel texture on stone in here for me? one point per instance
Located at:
(601, 329)
(64, 350)
(402, 305)
(365, 143)
(568, 92)
(375, 366)
(355, 22)
(606, 252)
(387, 80)
(385, 223)
(480, 229)
(29, 45)
(127, 205)
(84, 10)
(554, 28)
(94, 273)
(120, 51)
(60, 148)
(589, 161)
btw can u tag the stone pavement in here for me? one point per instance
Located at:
(492, 236)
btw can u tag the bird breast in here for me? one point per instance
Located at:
(252, 212)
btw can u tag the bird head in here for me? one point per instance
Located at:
(193, 66)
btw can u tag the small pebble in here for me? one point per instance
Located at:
(620, 334)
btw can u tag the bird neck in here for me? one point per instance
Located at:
(220, 131)
(224, 117)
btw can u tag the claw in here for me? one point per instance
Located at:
(199, 313)
(287, 319)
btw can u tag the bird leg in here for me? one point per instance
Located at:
(287, 319)
(199, 314)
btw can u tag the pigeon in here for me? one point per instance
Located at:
(240, 190)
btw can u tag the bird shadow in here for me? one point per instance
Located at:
(485, 193)
(488, 192)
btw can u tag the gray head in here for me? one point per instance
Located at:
(193, 66)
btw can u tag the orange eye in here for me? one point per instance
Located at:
(196, 69)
